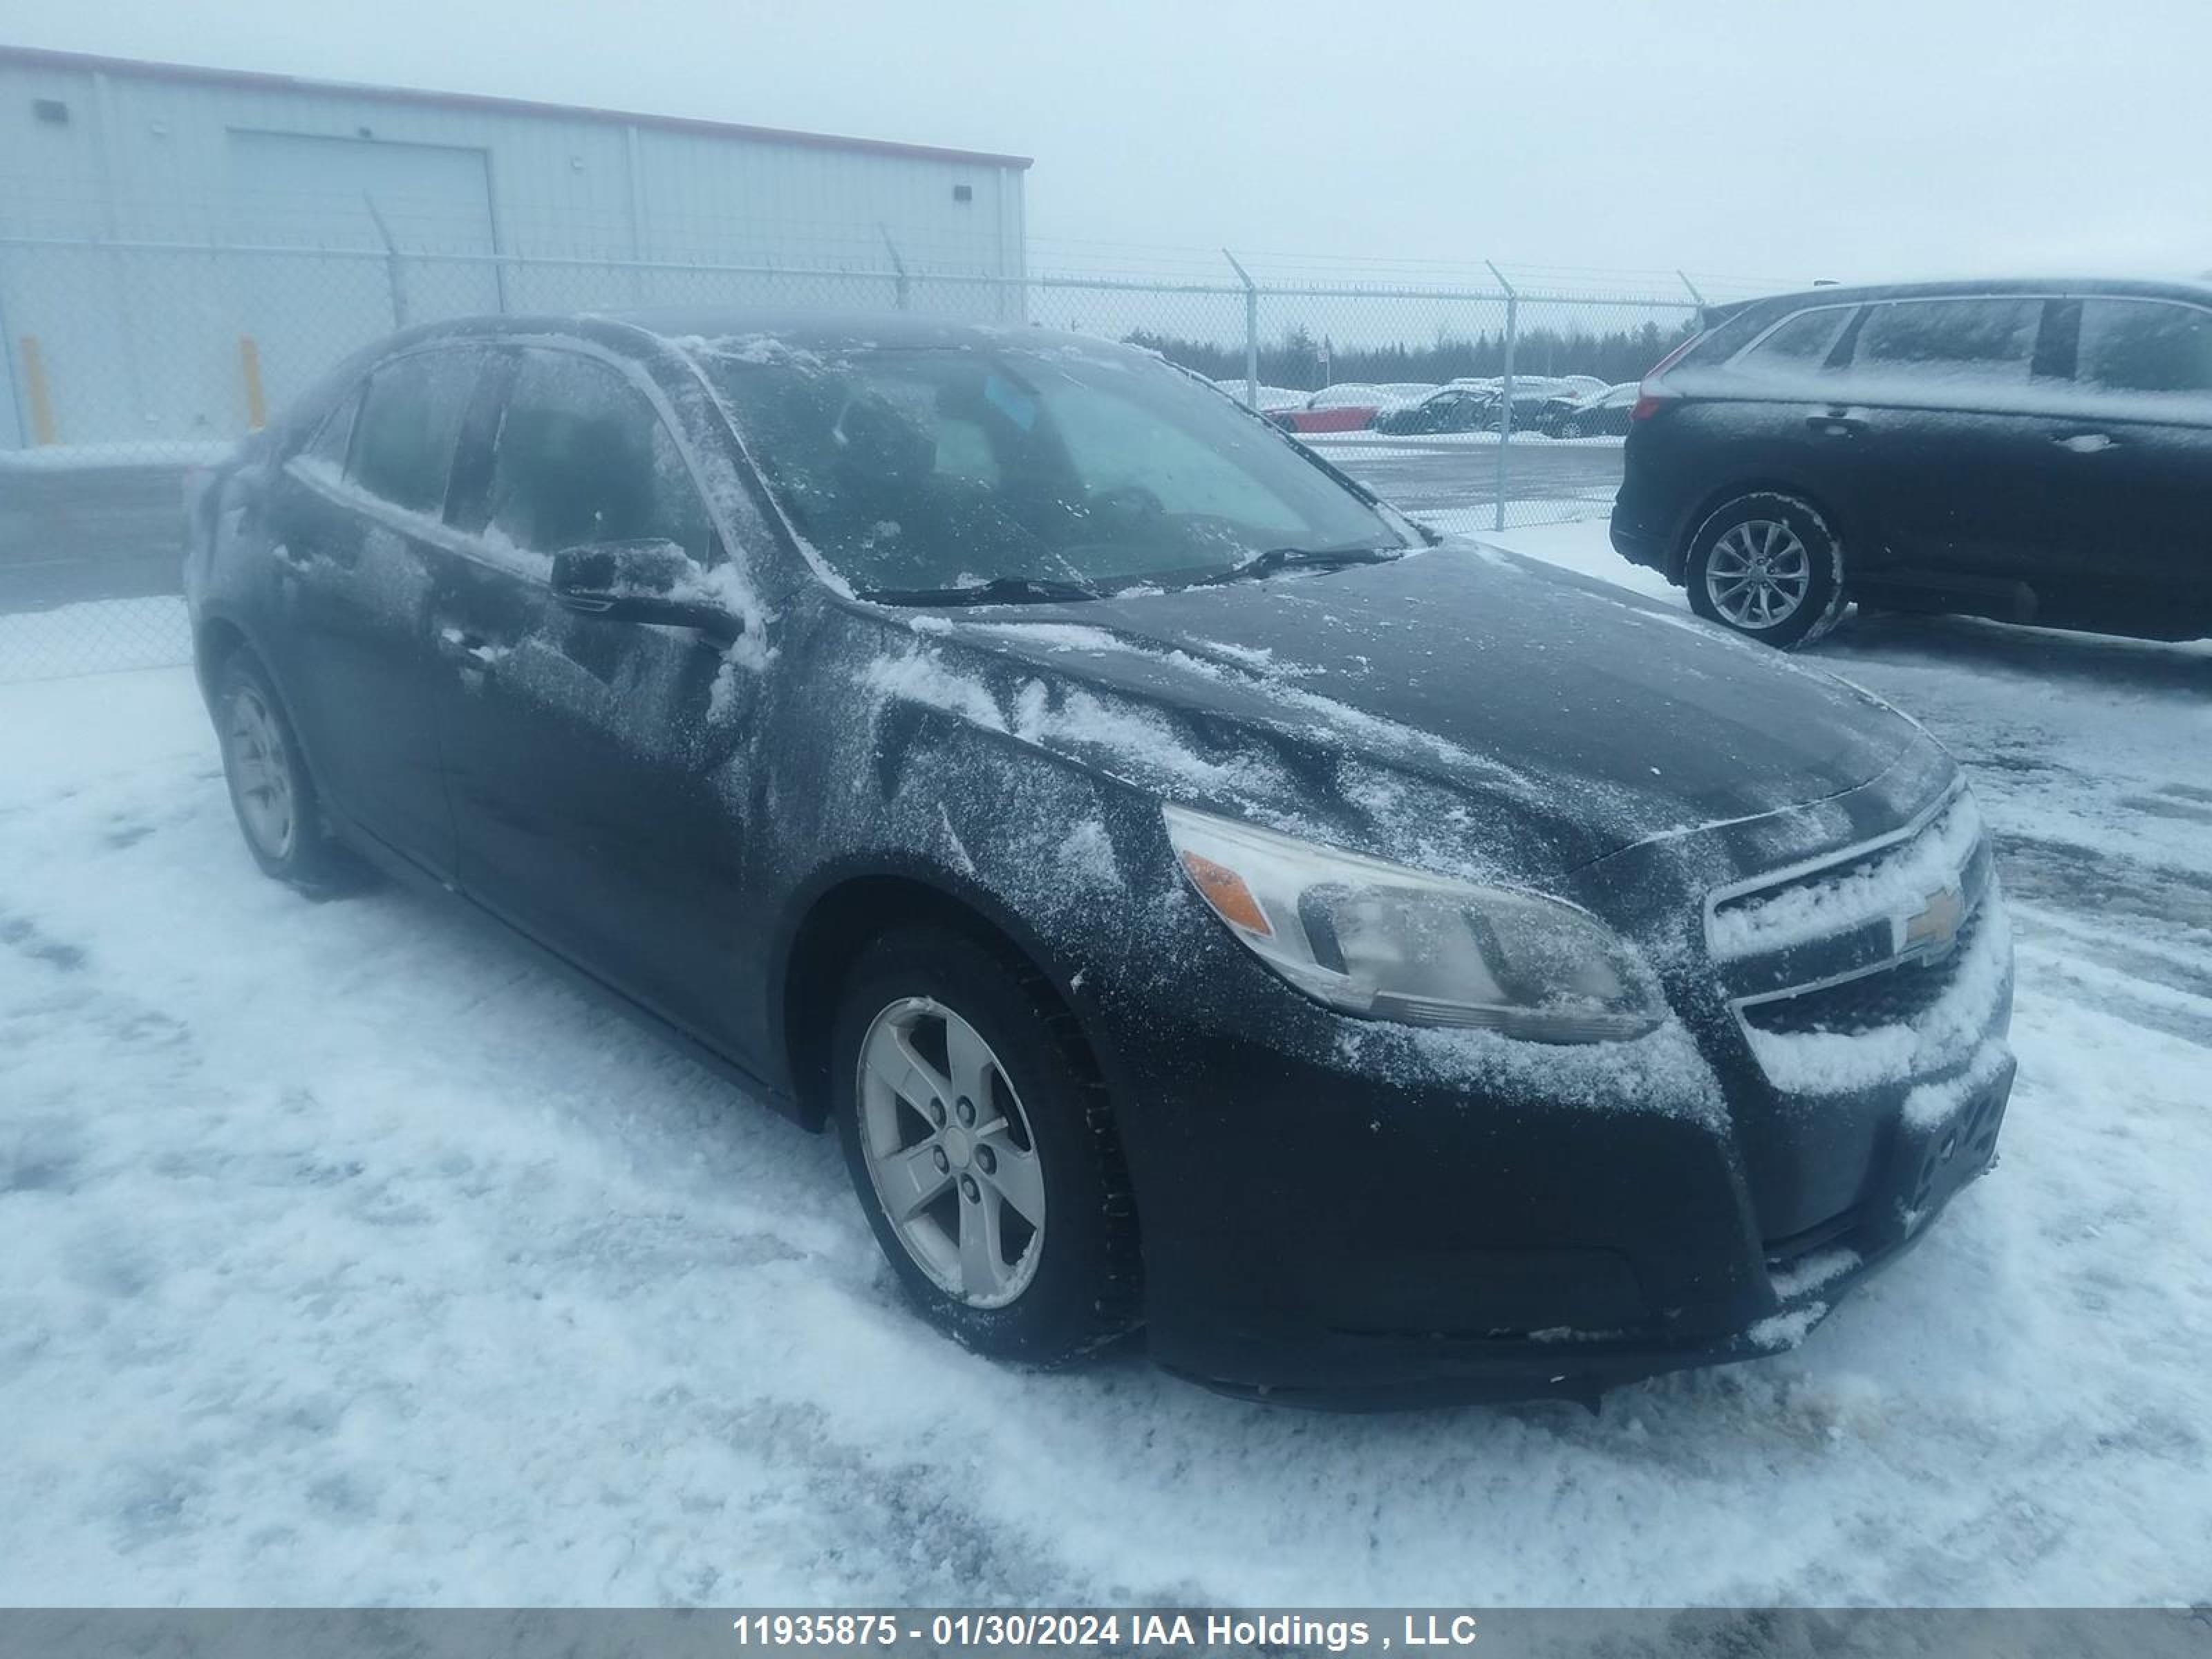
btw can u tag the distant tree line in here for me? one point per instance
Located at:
(1299, 359)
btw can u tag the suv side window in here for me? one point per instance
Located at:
(582, 457)
(1986, 342)
(410, 421)
(2136, 347)
(1803, 343)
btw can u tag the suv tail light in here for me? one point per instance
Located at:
(1652, 396)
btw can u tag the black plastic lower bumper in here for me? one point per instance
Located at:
(1417, 1252)
(1637, 543)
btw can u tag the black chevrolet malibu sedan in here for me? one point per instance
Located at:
(1384, 969)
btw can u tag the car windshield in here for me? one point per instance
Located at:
(1045, 470)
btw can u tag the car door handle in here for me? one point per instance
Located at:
(468, 648)
(2088, 443)
(1836, 426)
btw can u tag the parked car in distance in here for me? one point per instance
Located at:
(1271, 396)
(1347, 394)
(1587, 415)
(1582, 385)
(1401, 394)
(1453, 408)
(2033, 451)
(1469, 405)
(1439, 986)
(1349, 407)
(1532, 396)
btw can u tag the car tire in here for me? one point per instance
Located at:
(1768, 566)
(1569, 429)
(272, 791)
(1007, 1221)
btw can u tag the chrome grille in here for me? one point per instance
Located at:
(1868, 937)
(1894, 995)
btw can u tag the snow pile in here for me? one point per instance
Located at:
(1931, 1105)
(1822, 1268)
(1894, 883)
(1129, 742)
(1123, 739)
(922, 676)
(1277, 698)
(133, 452)
(1939, 1039)
(1777, 1331)
(1086, 856)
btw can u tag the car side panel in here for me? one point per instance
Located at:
(2131, 504)
(1682, 465)
(593, 786)
(348, 644)
(594, 766)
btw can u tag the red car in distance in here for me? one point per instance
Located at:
(1350, 407)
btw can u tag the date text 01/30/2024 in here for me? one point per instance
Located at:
(1162, 1630)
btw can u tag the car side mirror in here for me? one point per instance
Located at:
(640, 582)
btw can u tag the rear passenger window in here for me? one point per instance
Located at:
(1988, 342)
(1725, 339)
(334, 437)
(410, 419)
(2145, 346)
(1802, 342)
(582, 457)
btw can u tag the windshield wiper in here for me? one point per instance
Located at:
(998, 590)
(1301, 558)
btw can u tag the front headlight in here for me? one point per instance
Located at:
(1392, 943)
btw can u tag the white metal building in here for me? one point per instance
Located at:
(181, 248)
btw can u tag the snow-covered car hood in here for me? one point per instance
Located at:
(1460, 705)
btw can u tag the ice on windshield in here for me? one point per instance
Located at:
(923, 469)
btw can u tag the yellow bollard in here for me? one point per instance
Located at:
(257, 404)
(41, 395)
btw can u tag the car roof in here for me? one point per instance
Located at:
(806, 330)
(1970, 288)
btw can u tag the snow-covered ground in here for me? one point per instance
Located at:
(345, 1257)
(152, 451)
(95, 634)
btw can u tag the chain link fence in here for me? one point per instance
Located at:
(130, 365)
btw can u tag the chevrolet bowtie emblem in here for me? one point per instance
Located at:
(1935, 923)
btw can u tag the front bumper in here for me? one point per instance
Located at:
(1344, 1236)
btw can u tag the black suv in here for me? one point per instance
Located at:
(1198, 897)
(2034, 451)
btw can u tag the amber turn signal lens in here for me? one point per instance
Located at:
(1224, 890)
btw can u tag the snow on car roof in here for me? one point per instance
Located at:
(692, 327)
(2196, 290)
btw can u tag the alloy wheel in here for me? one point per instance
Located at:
(950, 1152)
(260, 773)
(1759, 573)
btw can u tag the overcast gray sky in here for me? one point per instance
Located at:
(1760, 138)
